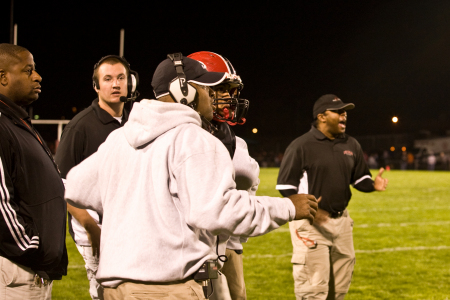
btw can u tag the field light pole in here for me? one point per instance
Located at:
(11, 24)
(15, 34)
(122, 41)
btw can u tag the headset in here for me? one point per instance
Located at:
(181, 91)
(132, 79)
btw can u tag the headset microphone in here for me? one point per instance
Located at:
(124, 99)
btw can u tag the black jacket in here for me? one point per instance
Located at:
(32, 206)
(226, 135)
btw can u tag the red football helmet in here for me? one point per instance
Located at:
(237, 107)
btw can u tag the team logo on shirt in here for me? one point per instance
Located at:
(348, 152)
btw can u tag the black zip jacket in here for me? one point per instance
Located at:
(32, 206)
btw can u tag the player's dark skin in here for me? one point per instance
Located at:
(306, 206)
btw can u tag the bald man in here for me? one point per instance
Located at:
(33, 212)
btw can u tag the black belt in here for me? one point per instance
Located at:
(336, 214)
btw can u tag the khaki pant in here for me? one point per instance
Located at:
(181, 290)
(17, 283)
(325, 271)
(233, 269)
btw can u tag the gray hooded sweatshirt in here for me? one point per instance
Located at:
(166, 189)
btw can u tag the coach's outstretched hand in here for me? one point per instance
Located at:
(380, 183)
(305, 206)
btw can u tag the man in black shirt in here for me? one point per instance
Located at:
(324, 162)
(83, 135)
(33, 211)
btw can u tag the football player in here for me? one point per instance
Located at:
(230, 110)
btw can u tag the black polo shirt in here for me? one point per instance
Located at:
(314, 164)
(84, 134)
(82, 137)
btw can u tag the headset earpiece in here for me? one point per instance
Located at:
(177, 94)
(181, 91)
(133, 82)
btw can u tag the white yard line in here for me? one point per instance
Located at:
(265, 256)
(76, 266)
(364, 210)
(433, 223)
(396, 249)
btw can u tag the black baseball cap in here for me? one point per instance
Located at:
(194, 70)
(330, 102)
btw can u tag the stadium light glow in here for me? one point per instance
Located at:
(394, 119)
(403, 149)
(254, 130)
(392, 148)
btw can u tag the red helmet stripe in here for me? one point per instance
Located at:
(214, 62)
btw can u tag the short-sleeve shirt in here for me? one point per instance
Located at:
(316, 165)
(80, 139)
(83, 135)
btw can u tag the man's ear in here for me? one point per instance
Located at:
(3, 77)
(321, 117)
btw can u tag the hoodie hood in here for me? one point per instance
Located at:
(151, 118)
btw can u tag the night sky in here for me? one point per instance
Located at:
(390, 58)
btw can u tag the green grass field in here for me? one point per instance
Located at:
(401, 239)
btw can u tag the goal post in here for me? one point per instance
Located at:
(60, 124)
